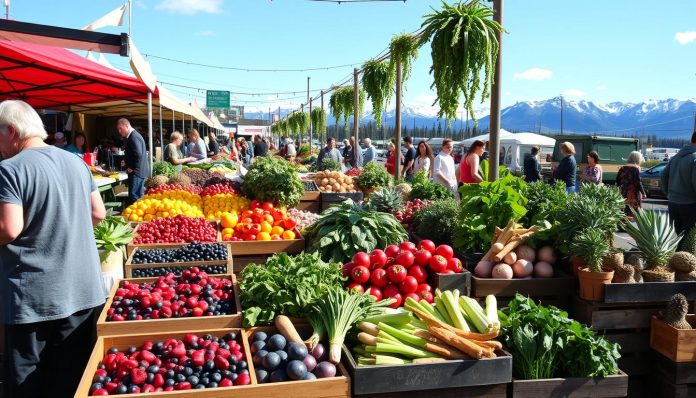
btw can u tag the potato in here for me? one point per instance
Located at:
(324, 181)
(336, 187)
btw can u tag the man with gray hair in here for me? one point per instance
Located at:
(370, 152)
(50, 280)
(137, 164)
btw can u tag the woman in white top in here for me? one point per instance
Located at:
(424, 159)
(443, 167)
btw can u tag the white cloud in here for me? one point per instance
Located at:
(574, 92)
(206, 33)
(602, 87)
(533, 74)
(140, 4)
(189, 7)
(685, 37)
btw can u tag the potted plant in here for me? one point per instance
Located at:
(372, 178)
(591, 245)
(111, 236)
(656, 239)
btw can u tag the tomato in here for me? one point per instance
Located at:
(376, 292)
(419, 273)
(347, 268)
(277, 215)
(361, 258)
(427, 296)
(408, 285)
(391, 251)
(267, 206)
(360, 274)
(255, 229)
(424, 287)
(422, 257)
(378, 259)
(444, 251)
(410, 246)
(405, 258)
(448, 271)
(289, 223)
(356, 287)
(428, 245)
(396, 273)
(412, 296)
(392, 292)
(455, 265)
(254, 204)
(438, 264)
(379, 277)
(250, 237)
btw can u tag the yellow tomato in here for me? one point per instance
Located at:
(263, 236)
(277, 230)
(288, 235)
(266, 227)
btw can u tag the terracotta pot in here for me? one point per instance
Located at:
(576, 263)
(592, 283)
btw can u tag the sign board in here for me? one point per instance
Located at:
(253, 130)
(217, 99)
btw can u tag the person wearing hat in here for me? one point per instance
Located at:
(409, 158)
(59, 140)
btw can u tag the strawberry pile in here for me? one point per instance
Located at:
(192, 294)
(177, 229)
(399, 272)
(215, 189)
(412, 207)
(174, 187)
(354, 172)
(172, 365)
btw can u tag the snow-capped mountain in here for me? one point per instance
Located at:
(665, 118)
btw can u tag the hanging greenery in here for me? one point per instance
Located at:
(464, 44)
(403, 48)
(378, 80)
(318, 117)
(298, 122)
(342, 103)
(281, 127)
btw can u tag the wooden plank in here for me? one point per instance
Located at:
(648, 292)
(105, 328)
(461, 281)
(129, 262)
(631, 341)
(241, 262)
(573, 387)
(664, 388)
(675, 372)
(490, 391)
(243, 248)
(310, 206)
(677, 344)
(601, 316)
(562, 285)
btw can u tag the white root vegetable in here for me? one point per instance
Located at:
(525, 252)
(510, 258)
(547, 255)
(502, 271)
(522, 268)
(543, 269)
(483, 269)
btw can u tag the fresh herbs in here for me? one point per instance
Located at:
(327, 164)
(543, 202)
(113, 233)
(437, 221)
(426, 190)
(374, 176)
(378, 81)
(163, 168)
(275, 180)
(285, 285)
(344, 230)
(545, 343)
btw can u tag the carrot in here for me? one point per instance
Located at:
(431, 321)
(495, 345)
(445, 351)
(287, 329)
(458, 342)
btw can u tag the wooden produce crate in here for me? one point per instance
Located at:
(253, 248)
(329, 199)
(333, 387)
(572, 387)
(554, 291)
(673, 379)
(129, 266)
(485, 377)
(679, 345)
(131, 247)
(460, 281)
(105, 328)
(647, 292)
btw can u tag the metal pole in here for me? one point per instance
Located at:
(149, 126)
(356, 114)
(310, 125)
(7, 10)
(397, 123)
(161, 132)
(561, 114)
(321, 133)
(496, 91)
(130, 16)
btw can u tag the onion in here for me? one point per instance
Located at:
(502, 271)
(547, 255)
(522, 268)
(542, 269)
(510, 258)
(526, 253)
(483, 269)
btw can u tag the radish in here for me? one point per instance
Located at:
(502, 271)
(483, 269)
(547, 255)
(522, 268)
(542, 269)
(526, 253)
(510, 258)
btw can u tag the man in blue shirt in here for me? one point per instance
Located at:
(370, 152)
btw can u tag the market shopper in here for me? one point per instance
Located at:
(409, 158)
(532, 167)
(173, 154)
(628, 181)
(593, 171)
(135, 159)
(79, 145)
(679, 182)
(213, 145)
(50, 280)
(469, 167)
(443, 167)
(567, 168)
(370, 154)
(391, 158)
(350, 159)
(330, 151)
(290, 150)
(59, 140)
(196, 145)
(260, 146)
(424, 159)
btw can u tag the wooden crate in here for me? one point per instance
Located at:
(673, 379)
(312, 206)
(129, 266)
(246, 248)
(554, 291)
(336, 387)
(572, 387)
(105, 328)
(679, 345)
(240, 262)
(647, 292)
(329, 199)
(423, 379)
(460, 281)
(487, 391)
(131, 247)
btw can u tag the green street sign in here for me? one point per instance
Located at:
(217, 99)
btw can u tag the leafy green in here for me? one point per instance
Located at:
(342, 103)
(327, 164)
(163, 168)
(275, 180)
(285, 285)
(545, 343)
(378, 80)
(343, 230)
(112, 233)
(373, 176)
(437, 221)
(544, 202)
(423, 189)
(487, 205)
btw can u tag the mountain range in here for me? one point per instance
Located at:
(669, 118)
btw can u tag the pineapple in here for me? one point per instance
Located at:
(656, 240)
(386, 200)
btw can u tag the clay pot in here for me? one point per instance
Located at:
(592, 283)
(576, 263)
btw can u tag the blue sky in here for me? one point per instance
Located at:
(598, 50)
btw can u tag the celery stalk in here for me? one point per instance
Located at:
(405, 337)
(478, 318)
(390, 360)
(442, 310)
(450, 299)
(492, 311)
(402, 349)
(397, 318)
(387, 337)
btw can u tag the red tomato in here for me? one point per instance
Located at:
(289, 223)
(410, 246)
(424, 287)
(422, 257)
(405, 258)
(375, 291)
(356, 287)
(255, 229)
(347, 269)
(251, 237)
(455, 265)
(448, 271)
(391, 251)
(378, 259)
(267, 206)
(396, 273)
(412, 296)
(445, 251)
(361, 259)
(392, 292)
(379, 277)
(427, 296)
(254, 204)
(408, 285)
(428, 245)
(419, 273)
(360, 274)
(438, 264)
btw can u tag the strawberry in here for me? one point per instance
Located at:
(190, 339)
(148, 388)
(184, 385)
(138, 376)
(221, 363)
(225, 383)
(157, 381)
(147, 356)
(179, 350)
(223, 353)
(198, 358)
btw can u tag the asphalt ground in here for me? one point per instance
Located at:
(623, 241)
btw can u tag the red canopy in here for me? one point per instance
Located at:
(46, 76)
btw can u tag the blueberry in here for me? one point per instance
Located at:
(121, 389)
(95, 387)
(193, 380)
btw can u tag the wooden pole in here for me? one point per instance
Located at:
(356, 114)
(397, 123)
(496, 91)
(311, 128)
(321, 133)
(149, 127)
(161, 132)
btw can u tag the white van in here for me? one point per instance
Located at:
(514, 148)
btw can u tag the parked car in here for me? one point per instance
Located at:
(651, 179)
